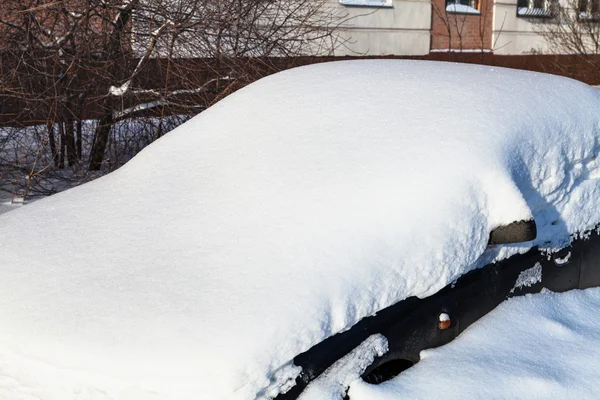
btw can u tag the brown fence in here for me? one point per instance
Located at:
(572, 66)
(192, 73)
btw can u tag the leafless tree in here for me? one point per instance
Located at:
(574, 30)
(84, 84)
(458, 27)
(453, 24)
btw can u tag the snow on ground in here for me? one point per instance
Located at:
(281, 216)
(543, 346)
(25, 153)
(6, 203)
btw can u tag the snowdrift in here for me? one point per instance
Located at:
(542, 346)
(283, 215)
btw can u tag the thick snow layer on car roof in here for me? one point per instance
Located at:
(543, 346)
(281, 216)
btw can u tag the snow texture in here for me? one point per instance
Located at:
(8, 204)
(120, 90)
(564, 260)
(542, 346)
(281, 216)
(529, 277)
(461, 9)
(367, 3)
(334, 382)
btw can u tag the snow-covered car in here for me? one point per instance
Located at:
(320, 225)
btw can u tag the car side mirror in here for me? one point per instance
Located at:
(515, 232)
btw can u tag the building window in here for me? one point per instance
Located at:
(536, 8)
(589, 10)
(463, 6)
(367, 3)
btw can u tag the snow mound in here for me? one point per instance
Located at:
(333, 383)
(542, 346)
(281, 216)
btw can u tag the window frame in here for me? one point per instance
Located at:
(548, 11)
(476, 10)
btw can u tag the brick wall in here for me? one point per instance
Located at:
(56, 17)
(461, 31)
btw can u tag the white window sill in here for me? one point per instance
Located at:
(367, 3)
(461, 9)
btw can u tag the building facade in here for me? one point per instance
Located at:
(419, 27)
(383, 27)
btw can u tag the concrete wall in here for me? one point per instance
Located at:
(514, 34)
(402, 27)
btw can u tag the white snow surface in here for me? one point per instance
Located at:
(280, 216)
(367, 3)
(537, 347)
(334, 382)
(529, 277)
(444, 317)
(461, 9)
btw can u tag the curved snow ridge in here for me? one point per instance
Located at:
(288, 212)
